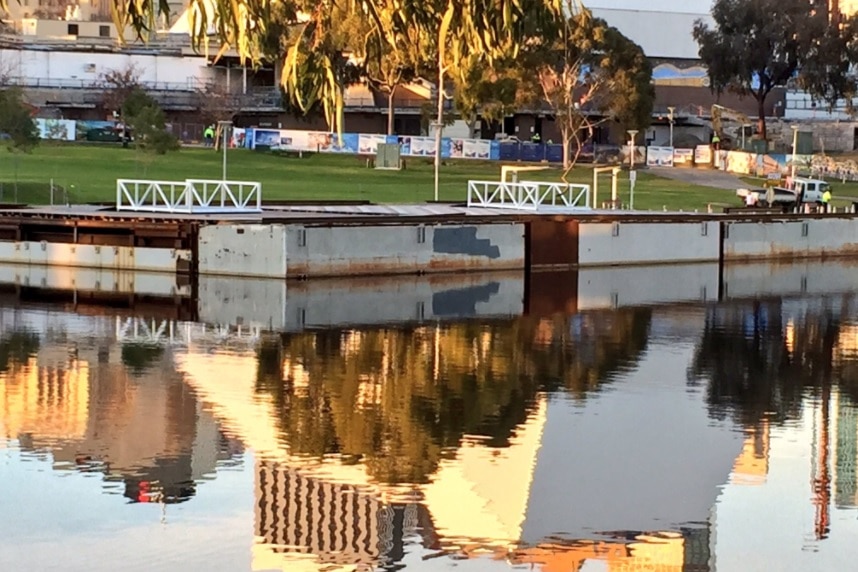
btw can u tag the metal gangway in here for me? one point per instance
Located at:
(531, 196)
(191, 196)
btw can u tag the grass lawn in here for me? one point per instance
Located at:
(89, 173)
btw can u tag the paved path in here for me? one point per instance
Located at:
(702, 177)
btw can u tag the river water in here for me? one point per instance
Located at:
(664, 419)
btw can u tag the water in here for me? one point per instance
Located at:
(667, 419)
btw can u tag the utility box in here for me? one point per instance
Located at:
(387, 156)
(804, 144)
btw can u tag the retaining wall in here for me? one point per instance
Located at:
(616, 243)
(377, 250)
(93, 256)
(243, 250)
(800, 239)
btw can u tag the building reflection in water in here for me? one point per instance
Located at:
(454, 438)
(118, 410)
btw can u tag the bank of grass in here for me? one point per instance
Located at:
(89, 172)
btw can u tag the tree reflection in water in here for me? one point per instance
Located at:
(758, 364)
(400, 400)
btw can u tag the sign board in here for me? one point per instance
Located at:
(633, 176)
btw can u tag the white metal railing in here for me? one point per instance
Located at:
(182, 334)
(528, 195)
(189, 196)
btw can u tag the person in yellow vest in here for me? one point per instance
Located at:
(208, 135)
(826, 198)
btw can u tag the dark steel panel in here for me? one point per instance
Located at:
(552, 242)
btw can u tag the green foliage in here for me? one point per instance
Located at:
(148, 125)
(138, 358)
(758, 45)
(485, 91)
(588, 74)
(16, 122)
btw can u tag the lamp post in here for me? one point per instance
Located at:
(632, 133)
(670, 111)
(794, 150)
(224, 126)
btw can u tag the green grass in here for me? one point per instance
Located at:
(89, 173)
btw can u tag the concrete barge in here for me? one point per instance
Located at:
(303, 241)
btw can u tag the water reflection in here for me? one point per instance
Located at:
(481, 428)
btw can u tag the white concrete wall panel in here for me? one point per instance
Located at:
(243, 250)
(646, 285)
(607, 244)
(92, 256)
(799, 239)
(367, 250)
(89, 67)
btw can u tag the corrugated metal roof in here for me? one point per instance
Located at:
(660, 34)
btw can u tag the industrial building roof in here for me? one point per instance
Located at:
(661, 34)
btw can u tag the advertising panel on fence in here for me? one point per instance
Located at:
(368, 143)
(470, 148)
(703, 155)
(683, 157)
(771, 165)
(741, 162)
(56, 129)
(238, 137)
(419, 146)
(659, 156)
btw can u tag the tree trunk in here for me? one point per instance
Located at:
(472, 127)
(565, 151)
(442, 68)
(390, 110)
(761, 121)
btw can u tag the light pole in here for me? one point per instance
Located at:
(224, 126)
(670, 110)
(632, 133)
(794, 150)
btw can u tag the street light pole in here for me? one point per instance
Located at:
(671, 110)
(632, 133)
(224, 126)
(794, 150)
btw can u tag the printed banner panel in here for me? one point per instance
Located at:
(683, 157)
(703, 155)
(659, 156)
(56, 129)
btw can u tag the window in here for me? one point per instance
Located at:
(72, 29)
(104, 31)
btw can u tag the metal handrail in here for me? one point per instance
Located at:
(528, 195)
(189, 196)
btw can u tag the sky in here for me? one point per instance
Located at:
(692, 6)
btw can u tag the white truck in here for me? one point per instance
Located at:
(800, 191)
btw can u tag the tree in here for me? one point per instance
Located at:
(117, 85)
(148, 126)
(16, 121)
(386, 66)
(487, 92)
(17, 128)
(758, 45)
(588, 75)
(826, 70)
